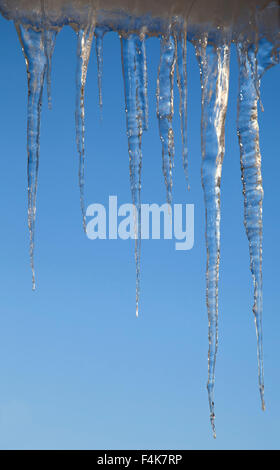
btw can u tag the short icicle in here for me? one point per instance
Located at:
(49, 43)
(253, 61)
(99, 36)
(133, 108)
(181, 48)
(32, 43)
(165, 110)
(84, 43)
(213, 59)
(142, 79)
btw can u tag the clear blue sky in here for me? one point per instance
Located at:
(77, 369)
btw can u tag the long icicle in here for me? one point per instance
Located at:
(214, 71)
(84, 43)
(33, 49)
(165, 111)
(253, 61)
(133, 109)
(181, 48)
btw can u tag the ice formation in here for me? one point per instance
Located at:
(211, 26)
(213, 59)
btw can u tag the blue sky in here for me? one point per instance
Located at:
(77, 369)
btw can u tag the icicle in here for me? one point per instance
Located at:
(252, 64)
(99, 35)
(33, 49)
(49, 38)
(165, 82)
(133, 109)
(84, 42)
(181, 48)
(214, 71)
(142, 80)
(49, 43)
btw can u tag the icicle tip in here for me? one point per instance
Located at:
(212, 418)
(33, 282)
(262, 398)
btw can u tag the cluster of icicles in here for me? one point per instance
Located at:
(213, 54)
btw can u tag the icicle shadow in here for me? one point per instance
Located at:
(32, 43)
(135, 87)
(84, 43)
(213, 60)
(253, 60)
